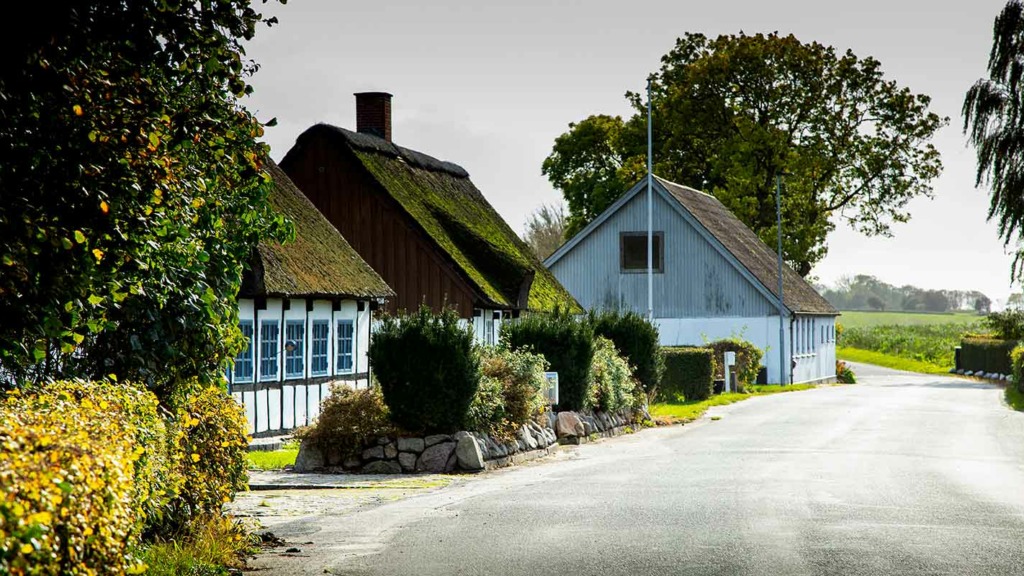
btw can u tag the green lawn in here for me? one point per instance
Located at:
(275, 460)
(687, 411)
(888, 361)
(861, 319)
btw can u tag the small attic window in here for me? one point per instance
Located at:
(633, 252)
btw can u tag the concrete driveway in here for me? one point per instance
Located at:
(900, 474)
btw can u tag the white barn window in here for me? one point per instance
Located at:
(243, 362)
(321, 337)
(295, 350)
(345, 347)
(270, 336)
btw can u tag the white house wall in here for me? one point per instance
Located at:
(275, 404)
(698, 281)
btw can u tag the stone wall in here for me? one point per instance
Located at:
(463, 451)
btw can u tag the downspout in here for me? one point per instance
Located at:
(792, 347)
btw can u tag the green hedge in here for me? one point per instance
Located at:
(1017, 358)
(748, 360)
(568, 345)
(636, 339)
(689, 374)
(986, 355)
(427, 369)
(510, 392)
(613, 387)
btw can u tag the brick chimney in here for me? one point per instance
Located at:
(373, 114)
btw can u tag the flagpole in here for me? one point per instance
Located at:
(650, 214)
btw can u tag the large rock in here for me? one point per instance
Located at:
(588, 428)
(526, 437)
(390, 451)
(407, 461)
(382, 467)
(468, 454)
(435, 458)
(569, 424)
(309, 458)
(411, 445)
(375, 453)
(352, 462)
(436, 439)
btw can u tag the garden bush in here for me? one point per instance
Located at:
(568, 345)
(689, 374)
(748, 360)
(211, 435)
(986, 355)
(349, 418)
(1017, 360)
(612, 385)
(844, 374)
(81, 465)
(1006, 325)
(636, 338)
(510, 392)
(427, 369)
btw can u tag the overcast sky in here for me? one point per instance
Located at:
(490, 85)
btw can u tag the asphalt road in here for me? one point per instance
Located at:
(900, 474)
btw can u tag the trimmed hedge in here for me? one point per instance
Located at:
(986, 355)
(83, 465)
(427, 369)
(689, 374)
(612, 385)
(1017, 359)
(568, 345)
(510, 392)
(636, 338)
(748, 360)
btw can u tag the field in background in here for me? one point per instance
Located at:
(861, 319)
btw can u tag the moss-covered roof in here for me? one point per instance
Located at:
(318, 262)
(444, 203)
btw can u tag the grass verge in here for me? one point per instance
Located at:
(217, 547)
(273, 460)
(688, 411)
(1014, 398)
(895, 362)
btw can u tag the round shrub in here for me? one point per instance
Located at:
(612, 386)
(211, 441)
(689, 374)
(568, 345)
(748, 360)
(427, 369)
(637, 340)
(510, 391)
(82, 465)
(349, 418)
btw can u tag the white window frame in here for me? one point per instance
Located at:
(248, 354)
(274, 358)
(300, 357)
(338, 346)
(326, 322)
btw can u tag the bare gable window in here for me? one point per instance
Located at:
(633, 252)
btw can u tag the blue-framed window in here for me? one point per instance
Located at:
(345, 348)
(321, 337)
(243, 362)
(294, 348)
(270, 346)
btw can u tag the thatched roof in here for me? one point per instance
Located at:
(441, 200)
(798, 295)
(319, 262)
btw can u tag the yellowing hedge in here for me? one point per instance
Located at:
(78, 481)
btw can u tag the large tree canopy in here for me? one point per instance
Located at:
(994, 122)
(732, 113)
(132, 189)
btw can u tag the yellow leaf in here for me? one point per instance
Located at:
(104, 405)
(195, 457)
(104, 207)
(98, 254)
(26, 548)
(77, 109)
(40, 518)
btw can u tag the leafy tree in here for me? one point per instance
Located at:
(994, 123)
(982, 305)
(732, 113)
(545, 229)
(133, 190)
(876, 303)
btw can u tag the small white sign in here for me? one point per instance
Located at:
(730, 358)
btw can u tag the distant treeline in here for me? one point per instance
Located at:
(863, 292)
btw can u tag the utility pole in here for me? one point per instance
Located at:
(650, 213)
(782, 307)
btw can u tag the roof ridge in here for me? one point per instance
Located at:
(373, 143)
(685, 187)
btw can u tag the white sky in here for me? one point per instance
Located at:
(489, 86)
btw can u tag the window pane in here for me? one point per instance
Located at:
(345, 346)
(295, 351)
(269, 347)
(243, 363)
(634, 251)
(321, 329)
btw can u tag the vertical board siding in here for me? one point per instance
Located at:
(698, 282)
